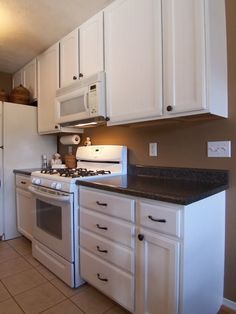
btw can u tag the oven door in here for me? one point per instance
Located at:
(53, 220)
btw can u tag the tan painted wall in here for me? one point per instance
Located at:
(5, 81)
(184, 145)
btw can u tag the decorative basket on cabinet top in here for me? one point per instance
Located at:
(20, 95)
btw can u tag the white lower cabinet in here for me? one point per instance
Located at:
(24, 206)
(165, 259)
(157, 274)
(107, 238)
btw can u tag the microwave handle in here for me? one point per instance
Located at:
(86, 101)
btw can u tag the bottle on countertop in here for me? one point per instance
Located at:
(44, 162)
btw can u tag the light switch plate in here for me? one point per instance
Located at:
(219, 149)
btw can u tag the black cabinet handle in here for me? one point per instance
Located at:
(102, 251)
(140, 237)
(2, 147)
(56, 127)
(74, 77)
(101, 204)
(99, 227)
(22, 182)
(100, 278)
(157, 220)
(169, 108)
(81, 75)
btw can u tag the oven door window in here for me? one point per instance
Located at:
(49, 218)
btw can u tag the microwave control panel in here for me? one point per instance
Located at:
(92, 99)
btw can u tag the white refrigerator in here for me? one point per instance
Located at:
(20, 148)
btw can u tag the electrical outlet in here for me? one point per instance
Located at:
(152, 149)
(219, 149)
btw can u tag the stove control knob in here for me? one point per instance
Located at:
(53, 185)
(58, 186)
(33, 180)
(37, 181)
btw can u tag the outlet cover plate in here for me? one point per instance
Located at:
(219, 149)
(152, 149)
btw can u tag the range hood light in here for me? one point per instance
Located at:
(80, 125)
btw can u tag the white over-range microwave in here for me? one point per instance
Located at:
(81, 102)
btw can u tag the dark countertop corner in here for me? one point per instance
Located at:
(26, 172)
(175, 185)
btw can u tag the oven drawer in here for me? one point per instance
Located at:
(160, 218)
(108, 204)
(107, 250)
(112, 281)
(22, 181)
(112, 228)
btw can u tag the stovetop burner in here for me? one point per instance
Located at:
(75, 173)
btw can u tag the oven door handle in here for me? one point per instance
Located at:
(62, 198)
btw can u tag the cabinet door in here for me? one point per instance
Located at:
(17, 79)
(157, 274)
(48, 82)
(69, 58)
(24, 207)
(184, 56)
(133, 63)
(91, 46)
(30, 78)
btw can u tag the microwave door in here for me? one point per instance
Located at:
(72, 106)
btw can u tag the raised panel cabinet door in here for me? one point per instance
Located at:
(17, 79)
(48, 82)
(184, 56)
(69, 58)
(30, 78)
(133, 63)
(157, 274)
(24, 208)
(91, 46)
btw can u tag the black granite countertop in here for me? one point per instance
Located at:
(26, 172)
(175, 185)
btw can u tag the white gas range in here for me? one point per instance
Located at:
(56, 207)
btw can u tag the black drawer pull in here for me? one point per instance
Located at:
(157, 220)
(101, 204)
(102, 251)
(100, 278)
(99, 227)
(22, 182)
(140, 237)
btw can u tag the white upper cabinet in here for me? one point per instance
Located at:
(30, 79)
(192, 36)
(133, 60)
(91, 46)
(184, 56)
(81, 51)
(48, 82)
(17, 79)
(27, 76)
(194, 57)
(69, 58)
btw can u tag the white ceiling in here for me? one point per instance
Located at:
(28, 27)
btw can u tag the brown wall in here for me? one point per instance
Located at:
(184, 145)
(5, 81)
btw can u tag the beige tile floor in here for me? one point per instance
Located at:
(26, 286)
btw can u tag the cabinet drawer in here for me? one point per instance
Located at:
(109, 204)
(108, 227)
(110, 280)
(107, 250)
(160, 218)
(22, 181)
